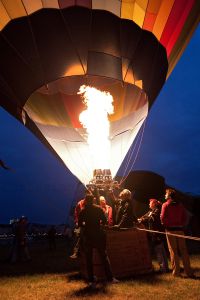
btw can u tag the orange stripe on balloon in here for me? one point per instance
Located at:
(162, 17)
(149, 21)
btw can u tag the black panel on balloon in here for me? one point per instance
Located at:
(105, 35)
(104, 65)
(16, 72)
(130, 37)
(55, 46)
(78, 22)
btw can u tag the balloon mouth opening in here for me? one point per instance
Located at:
(62, 95)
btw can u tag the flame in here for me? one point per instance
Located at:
(95, 120)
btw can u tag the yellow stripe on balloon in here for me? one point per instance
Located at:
(127, 8)
(138, 15)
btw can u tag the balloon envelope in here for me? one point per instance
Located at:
(48, 49)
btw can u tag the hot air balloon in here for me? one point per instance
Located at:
(50, 48)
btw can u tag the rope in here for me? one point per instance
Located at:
(130, 156)
(169, 233)
(139, 146)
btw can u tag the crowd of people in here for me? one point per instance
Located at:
(165, 222)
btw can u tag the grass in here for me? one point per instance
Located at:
(51, 275)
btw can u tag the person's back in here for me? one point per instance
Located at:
(92, 219)
(173, 214)
(173, 217)
(92, 216)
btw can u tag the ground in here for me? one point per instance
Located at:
(52, 275)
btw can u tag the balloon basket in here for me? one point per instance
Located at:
(128, 252)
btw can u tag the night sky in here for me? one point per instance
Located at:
(41, 188)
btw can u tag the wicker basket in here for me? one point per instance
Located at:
(128, 251)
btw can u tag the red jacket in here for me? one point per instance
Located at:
(173, 215)
(80, 205)
(108, 213)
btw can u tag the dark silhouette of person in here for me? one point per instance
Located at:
(92, 219)
(67, 234)
(20, 250)
(152, 221)
(14, 255)
(52, 238)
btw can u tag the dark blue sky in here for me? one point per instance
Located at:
(40, 187)
(171, 143)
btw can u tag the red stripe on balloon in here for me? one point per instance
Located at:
(74, 106)
(175, 23)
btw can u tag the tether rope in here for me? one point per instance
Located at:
(169, 233)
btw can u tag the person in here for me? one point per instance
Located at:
(80, 205)
(152, 220)
(124, 213)
(13, 257)
(115, 204)
(67, 234)
(76, 249)
(92, 219)
(173, 217)
(21, 251)
(107, 210)
(52, 237)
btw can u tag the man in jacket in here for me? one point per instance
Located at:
(92, 219)
(124, 214)
(173, 217)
